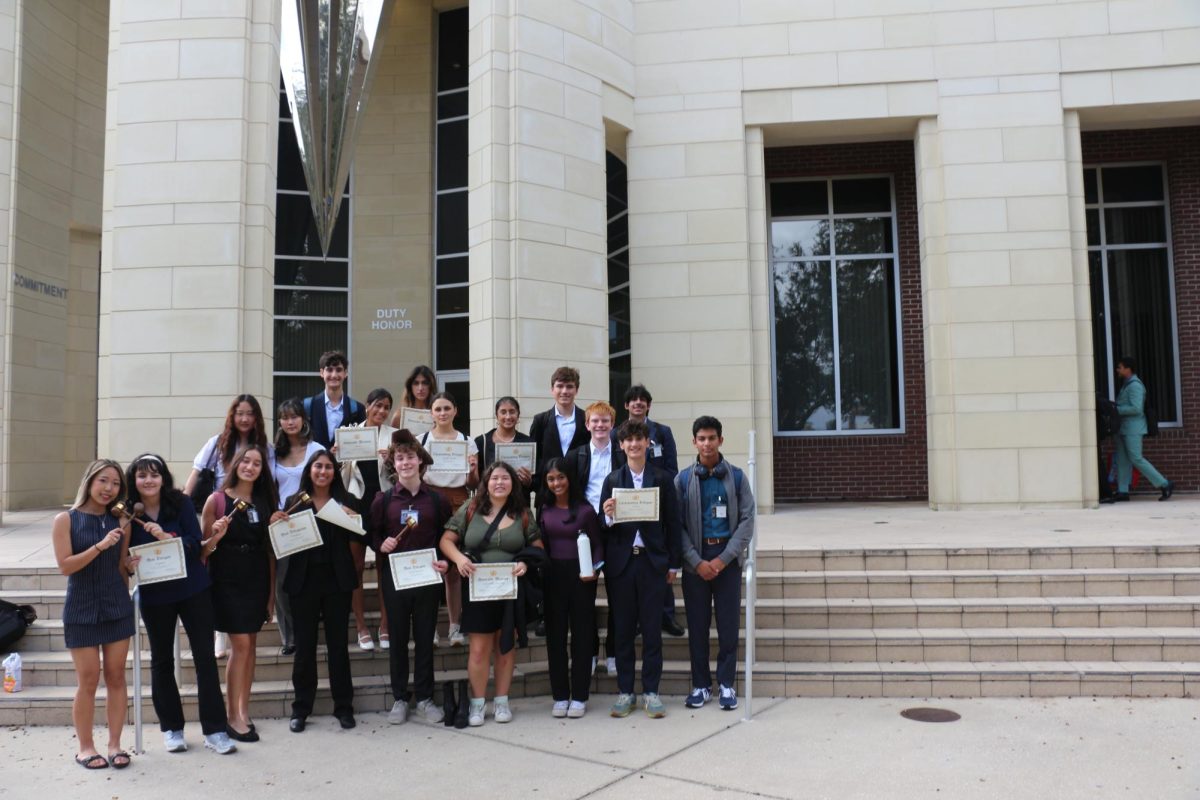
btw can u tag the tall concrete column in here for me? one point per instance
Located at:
(1007, 322)
(189, 220)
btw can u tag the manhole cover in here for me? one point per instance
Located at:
(930, 715)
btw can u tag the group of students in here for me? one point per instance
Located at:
(234, 584)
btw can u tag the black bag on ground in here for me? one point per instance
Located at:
(14, 620)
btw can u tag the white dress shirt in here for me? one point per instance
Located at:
(601, 465)
(637, 484)
(566, 429)
(333, 415)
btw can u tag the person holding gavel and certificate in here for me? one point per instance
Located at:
(166, 513)
(495, 527)
(90, 546)
(409, 518)
(319, 581)
(453, 484)
(242, 566)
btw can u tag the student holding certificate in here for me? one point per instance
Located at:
(293, 448)
(419, 389)
(364, 480)
(453, 477)
(564, 517)
(409, 518)
(242, 566)
(90, 546)
(319, 581)
(508, 414)
(496, 528)
(168, 513)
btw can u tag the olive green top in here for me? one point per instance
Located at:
(507, 541)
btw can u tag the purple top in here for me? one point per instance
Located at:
(560, 531)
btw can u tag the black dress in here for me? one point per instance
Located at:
(241, 573)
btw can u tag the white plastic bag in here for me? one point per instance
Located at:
(12, 673)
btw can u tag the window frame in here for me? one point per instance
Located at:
(832, 260)
(1103, 249)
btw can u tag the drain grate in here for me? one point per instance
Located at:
(930, 715)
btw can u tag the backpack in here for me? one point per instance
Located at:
(355, 406)
(14, 620)
(686, 475)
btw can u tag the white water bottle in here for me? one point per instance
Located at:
(584, 545)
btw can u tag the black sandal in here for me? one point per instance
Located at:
(116, 762)
(89, 762)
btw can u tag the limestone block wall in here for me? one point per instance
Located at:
(188, 233)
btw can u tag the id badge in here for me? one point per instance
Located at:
(720, 511)
(409, 514)
(252, 515)
(656, 450)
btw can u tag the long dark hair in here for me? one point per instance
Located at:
(229, 442)
(292, 407)
(545, 497)
(170, 499)
(263, 492)
(419, 371)
(337, 489)
(515, 507)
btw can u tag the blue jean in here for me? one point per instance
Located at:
(1129, 455)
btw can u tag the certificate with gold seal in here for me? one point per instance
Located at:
(517, 454)
(160, 561)
(295, 534)
(636, 505)
(494, 582)
(413, 568)
(449, 456)
(357, 444)
(416, 420)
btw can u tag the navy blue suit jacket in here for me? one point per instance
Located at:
(661, 538)
(318, 425)
(660, 435)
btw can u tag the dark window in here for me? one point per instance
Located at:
(799, 198)
(620, 360)
(452, 154)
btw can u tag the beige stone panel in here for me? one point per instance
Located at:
(723, 278)
(1037, 213)
(1020, 240)
(587, 306)
(1048, 401)
(148, 61)
(212, 58)
(1181, 46)
(687, 126)
(1141, 15)
(843, 102)
(688, 194)
(598, 61)
(986, 476)
(1032, 429)
(535, 165)
(558, 135)
(539, 92)
(1161, 85)
(1045, 338)
(1125, 51)
(566, 209)
(676, 78)
(886, 66)
(537, 38)
(982, 340)
(663, 349)
(908, 30)
(672, 314)
(572, 266)
(210, 140)
(720, 349)
(1007, 179)
(1037, 266)
(914, 99)
(1050, 475)
(179, 245)
(172, 331)
(767, 106)
(786, 72)
(202, 287)
(144, 288)
(943, 476)
(157, 100)
(724, 225)
(987, 59)
(1051, 21)
(977, 269)
(987, 215)
(1087, 89)
(985, 404)
(1033, 143)
(129, 437)
(201, 374)
(715, 158)
(833, 35)
(661, 280)
(546, 339)
(1027, 374)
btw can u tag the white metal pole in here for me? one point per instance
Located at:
(137, 671)
(751, 582)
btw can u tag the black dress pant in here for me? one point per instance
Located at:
(196, 613)
(570, 607)
(636, 599)
(412, 611)
(700, 597)
(321, 599)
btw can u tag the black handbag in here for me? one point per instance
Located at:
(206, 482)
(14, 620)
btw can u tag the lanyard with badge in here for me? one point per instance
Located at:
(720, 508)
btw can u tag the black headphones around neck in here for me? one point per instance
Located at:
(719, 471)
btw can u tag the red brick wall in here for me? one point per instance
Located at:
(864, 467)
(1174, 452)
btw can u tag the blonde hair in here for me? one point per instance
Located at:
(89, 475)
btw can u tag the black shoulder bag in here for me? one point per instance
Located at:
(206, 482)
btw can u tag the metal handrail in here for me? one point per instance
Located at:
(751, 582)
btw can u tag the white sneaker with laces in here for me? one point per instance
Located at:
(475, 716)
(399, 713)
(577, 709)
(501, 712)
(456, 636)
(173, 741)
(433, 714)
(610, 665)
(560, 708)
(220, 743)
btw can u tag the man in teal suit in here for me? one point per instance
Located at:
(1131, 404)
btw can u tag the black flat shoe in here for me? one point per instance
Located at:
(1120, 497)
(670, 626)
(346, 721)
(249, 736)
(297, 725)
(287, 650)
(1168, 490)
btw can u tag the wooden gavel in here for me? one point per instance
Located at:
(239, 505)
(119, 508)
(411, 523)
(303, 500)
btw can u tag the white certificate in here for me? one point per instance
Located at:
(493, 582)
(413, 568)
(416, 420)
(517, 454)
(448, 456)
(636, 505)
(357, 444)
(296, 533)
(160, 561)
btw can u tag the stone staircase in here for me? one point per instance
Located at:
(917, 622)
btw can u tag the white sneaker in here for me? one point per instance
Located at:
(475, 716)
(610, 665)
(173, 741)
(456, 636)
(501, 712)
(560, 708)
(577, 709)
(399, 713)
(220, 645)
(220, 743)
(433, 714)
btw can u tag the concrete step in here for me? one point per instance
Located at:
(990, 558)
(51, 705)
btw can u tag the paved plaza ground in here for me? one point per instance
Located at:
(821, 748)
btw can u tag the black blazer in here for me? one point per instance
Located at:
(580, 462)
(352, 414)
(337, 545)
(544, 431)
(661, 538)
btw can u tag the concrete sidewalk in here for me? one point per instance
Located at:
(826, 748)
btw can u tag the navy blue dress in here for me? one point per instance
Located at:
(97, 609)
